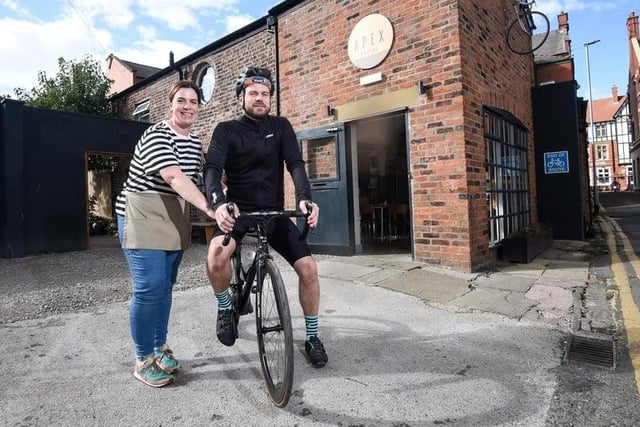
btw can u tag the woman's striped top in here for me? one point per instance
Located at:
(160, 147)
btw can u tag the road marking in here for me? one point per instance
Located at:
(630, 313)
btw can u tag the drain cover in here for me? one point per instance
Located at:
(596, 351)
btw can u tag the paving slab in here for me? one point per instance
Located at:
(428, 285)
(534, 268)
(379, 276)
(344, 271)
(576, 270)
(512, 304)
(505, 282)
(551, 299)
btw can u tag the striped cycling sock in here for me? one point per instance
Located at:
(224, 301)
(311, 323)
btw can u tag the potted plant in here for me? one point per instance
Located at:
(526, 244)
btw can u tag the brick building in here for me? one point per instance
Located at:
(414, 117)
(633, 32)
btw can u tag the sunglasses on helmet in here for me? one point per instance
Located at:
(258, 72)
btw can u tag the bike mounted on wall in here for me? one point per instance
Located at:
(527, 31)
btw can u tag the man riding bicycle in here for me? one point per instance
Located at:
(252, 151)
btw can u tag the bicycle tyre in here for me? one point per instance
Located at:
(516, 32)
(275, 337)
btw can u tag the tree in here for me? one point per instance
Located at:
(79, 87)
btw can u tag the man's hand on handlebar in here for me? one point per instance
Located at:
(306, 206)
(224, 219)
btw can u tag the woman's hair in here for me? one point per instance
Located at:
(184, 84)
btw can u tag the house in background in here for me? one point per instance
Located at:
(634, 91)
(612, 136)
(126, 73)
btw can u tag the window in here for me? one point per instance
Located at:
(601, 130)
(141, 112)
(603, 152)
(207, 82)
(507, 176)
(320, 158)
(630, 175)
(604, 176)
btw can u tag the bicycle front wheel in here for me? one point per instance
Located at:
(526, 33)
(275, 338)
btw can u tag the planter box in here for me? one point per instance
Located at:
(525, 249)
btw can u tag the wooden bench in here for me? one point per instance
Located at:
(209, 228)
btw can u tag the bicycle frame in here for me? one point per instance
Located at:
(273, 318)
(523, 8)
(247, 278)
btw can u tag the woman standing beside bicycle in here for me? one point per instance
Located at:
(252, 150)
(154, 228)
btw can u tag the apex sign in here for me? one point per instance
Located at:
(370, 41)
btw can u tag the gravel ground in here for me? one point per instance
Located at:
(41, 285)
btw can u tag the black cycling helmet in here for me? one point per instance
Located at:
(254, 75)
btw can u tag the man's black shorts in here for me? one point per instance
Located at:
(282, 234)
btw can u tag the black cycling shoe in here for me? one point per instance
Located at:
(227, 327)
(315, 351)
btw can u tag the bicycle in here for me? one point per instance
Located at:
(527, 31)
(273, 319)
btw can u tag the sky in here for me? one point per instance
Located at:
(35, 33)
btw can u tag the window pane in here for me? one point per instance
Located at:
(207, 82)
(507, 182)
(320, 158)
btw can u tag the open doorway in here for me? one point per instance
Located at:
(106, 174)
(383, 183)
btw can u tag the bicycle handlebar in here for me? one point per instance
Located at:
(268, 215)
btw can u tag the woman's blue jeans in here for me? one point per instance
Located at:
(154, 272)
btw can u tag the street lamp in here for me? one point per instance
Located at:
(596, 201)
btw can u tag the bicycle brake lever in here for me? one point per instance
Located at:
(305, 231)
(231, 208)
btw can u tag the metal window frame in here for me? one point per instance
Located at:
(507, 174)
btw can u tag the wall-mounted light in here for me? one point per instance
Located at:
(330, 111)
(422, 88)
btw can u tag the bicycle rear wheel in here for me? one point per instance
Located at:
(275, 338)
(526, 33)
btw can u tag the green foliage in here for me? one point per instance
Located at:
(529, 231)
(79, 87)
(100, 162)
(99, 225)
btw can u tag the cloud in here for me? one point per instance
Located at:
(47, 42)
(188, 14)
(553, 7)
(235, 22)
(17, 9)
(112, 13)
(155, 52)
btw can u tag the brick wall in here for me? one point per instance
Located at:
(457, 49)
(256, 50)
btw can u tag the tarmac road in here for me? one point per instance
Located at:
(393, 360)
